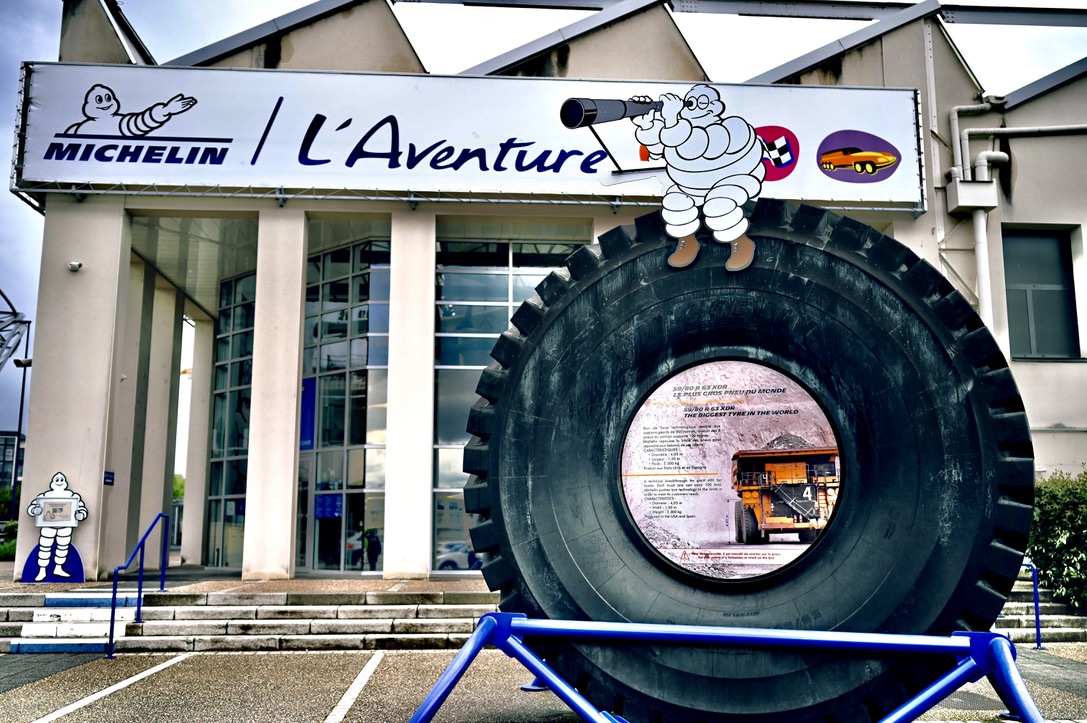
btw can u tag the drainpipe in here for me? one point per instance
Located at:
(956, 148)
(1021, 132)
(981, 236)
(978, 200)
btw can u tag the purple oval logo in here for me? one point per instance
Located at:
(857, 157)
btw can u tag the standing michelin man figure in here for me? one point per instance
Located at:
(715, 163)
(58, 511)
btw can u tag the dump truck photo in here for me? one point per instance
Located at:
(784, 490)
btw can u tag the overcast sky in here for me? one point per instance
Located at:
(449, 39)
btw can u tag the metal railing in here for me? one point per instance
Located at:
(141, 549)
(1027, 563)
(978, 654)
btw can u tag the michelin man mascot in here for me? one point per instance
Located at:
(715, 164)
(58, 511)
(102, 114)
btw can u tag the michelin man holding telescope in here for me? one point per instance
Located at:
(714, 163)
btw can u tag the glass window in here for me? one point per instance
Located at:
(448, 470)
(377, 404)
(485, 267)
(236, 476)
(375, 468)
(330, 471)
(337, 263)
(358, 407)
(379, 285)
(237, 440)
(461, 318)
(336, 295)
(215, 486)
(452, 544)
(1042, 321)
(218, 430)
(378, 353)
(454, 395)
(330, 410)
(347, 272)
(463, 350)
(245, 289)
(472, 287)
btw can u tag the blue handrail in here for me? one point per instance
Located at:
(1027, 563)
(140, 548)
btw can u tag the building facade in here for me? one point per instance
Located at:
(337, 337)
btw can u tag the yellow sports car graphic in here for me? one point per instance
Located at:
(859, 160)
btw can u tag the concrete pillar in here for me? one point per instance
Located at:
(115, 539)
(196, 463)
(80, 314)
(163, 362)
(276, 395)
(410, 423)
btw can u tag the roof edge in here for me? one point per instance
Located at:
(849, 42)
(1047, 84)
(259, 33)
(133, 44)
(506, 60)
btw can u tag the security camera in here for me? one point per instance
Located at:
(75, 265)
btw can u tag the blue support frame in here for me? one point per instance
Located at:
(979, 655)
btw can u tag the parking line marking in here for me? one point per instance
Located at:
(352, 693)
(112, 689)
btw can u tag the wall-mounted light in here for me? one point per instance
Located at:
(75, 265)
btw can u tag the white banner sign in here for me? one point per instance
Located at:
(133, 126)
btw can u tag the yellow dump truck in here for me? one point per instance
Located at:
(784, 490)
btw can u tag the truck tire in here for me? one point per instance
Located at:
(749, 524)
(936, 495)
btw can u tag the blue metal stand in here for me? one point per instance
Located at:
(978, 654)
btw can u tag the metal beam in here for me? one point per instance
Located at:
(822, 9)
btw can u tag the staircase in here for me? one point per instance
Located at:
(66, 622)
(78, 621)
(1059, 623)
(182, 622)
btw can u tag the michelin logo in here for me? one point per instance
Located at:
(104, 121)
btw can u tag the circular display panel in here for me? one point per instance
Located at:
(730, 469)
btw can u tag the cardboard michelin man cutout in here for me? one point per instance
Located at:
(57, 512)
(715, 164)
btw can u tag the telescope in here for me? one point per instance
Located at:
(582, 112)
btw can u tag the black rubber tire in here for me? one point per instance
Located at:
(749, 524)
(808, 536)
(937, 492)
(738, 515)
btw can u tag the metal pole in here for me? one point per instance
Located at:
(18, 432)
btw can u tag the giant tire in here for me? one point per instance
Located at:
(937, 466)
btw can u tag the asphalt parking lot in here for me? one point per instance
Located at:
(380, 686)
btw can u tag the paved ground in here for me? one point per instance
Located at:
(369, 687)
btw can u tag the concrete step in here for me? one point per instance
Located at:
(370, 641)
(1027, 608)
(1049, 635)
(1023, 591)
(1047, 621)
(54, 645)
(243, 621)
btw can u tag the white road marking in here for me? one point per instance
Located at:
(112, 689)
(352, 693)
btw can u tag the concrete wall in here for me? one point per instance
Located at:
(366, 37)
(644, 46)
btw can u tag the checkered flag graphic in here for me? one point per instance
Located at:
(779, 152)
